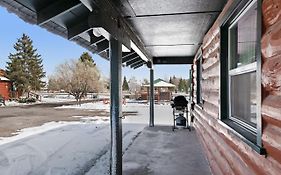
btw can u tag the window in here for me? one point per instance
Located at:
(190, 85)
(242, 35)
(240, 72)
(199, 79)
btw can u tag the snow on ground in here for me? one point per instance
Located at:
(23, 133)
(163, 112)
(74, 147)
(130, 133)
(44, 100)
(26, 132)
(15, 103)
(54, 100)
(87, 106)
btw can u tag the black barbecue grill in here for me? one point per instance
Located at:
(179, 105)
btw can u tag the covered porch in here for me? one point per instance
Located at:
(201, 33)
(160, 151)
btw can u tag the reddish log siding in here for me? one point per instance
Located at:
(271, 78)
(4, 89)
(226, 152)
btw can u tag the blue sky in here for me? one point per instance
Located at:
(56, 50)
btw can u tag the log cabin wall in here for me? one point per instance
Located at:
(226, 152)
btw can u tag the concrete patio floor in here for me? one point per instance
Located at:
(160, 151)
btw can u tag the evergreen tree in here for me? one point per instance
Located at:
(25, 67)
(16, 72)
(125, 86)
(36, 72)
(87, 58)
(181, 86)
(170, 80)
(187, 85)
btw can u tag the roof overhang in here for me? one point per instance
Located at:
(162, 31)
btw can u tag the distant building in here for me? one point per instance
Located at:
(163, 90)
(5, 85)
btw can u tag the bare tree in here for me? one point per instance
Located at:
(145, 81)
(53, 84)
(77, 78)
(134, 85)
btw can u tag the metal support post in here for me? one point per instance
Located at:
(151, 97)
(115, 106)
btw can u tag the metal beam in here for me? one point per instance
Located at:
(129, 57)
(173, 60)
(125, 6)
(151, 99)
(173, 14)
(78, 28)
(136, 63)
(125, 54)
(112, 25)
(105, 54)
(106, 16)
(116, 25)
(95, 40)
(115, 107)
(102, 46)
(55, 9)
(128, 63)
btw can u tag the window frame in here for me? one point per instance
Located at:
(241, 129)
(190, 85)
(249, 68)
(199, 99)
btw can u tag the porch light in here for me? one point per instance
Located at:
(97, 32)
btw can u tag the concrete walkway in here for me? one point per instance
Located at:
(160, 151)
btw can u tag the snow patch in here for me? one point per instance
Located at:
(95, 119)
(96, 106)
(66, 149)
(74, 147)
(26, 132)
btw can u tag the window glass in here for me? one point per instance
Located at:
(243, 97)
(243, 37)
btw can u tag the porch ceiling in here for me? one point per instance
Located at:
(163, 29)
(168, 27)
